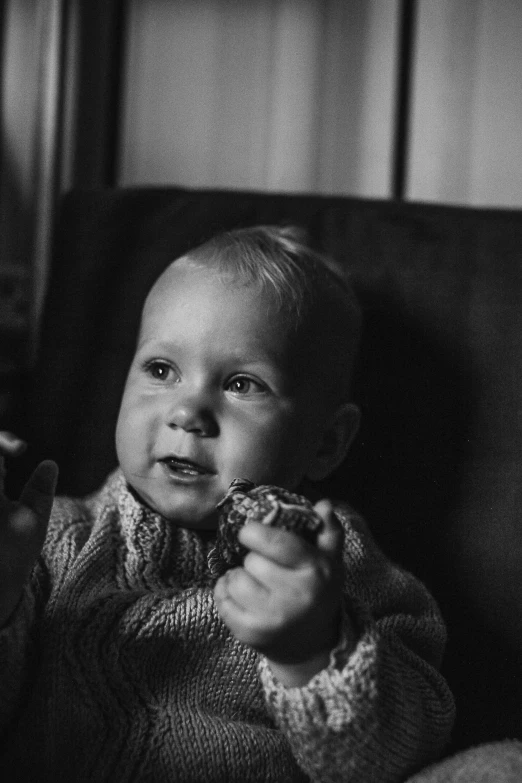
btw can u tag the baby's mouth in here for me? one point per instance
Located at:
(185, 467)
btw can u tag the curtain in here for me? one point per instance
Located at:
(29, 111)
(291, 95)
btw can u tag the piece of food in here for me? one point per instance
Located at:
(247, 502)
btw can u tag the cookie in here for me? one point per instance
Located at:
(247, 502)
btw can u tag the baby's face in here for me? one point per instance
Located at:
(216, 391)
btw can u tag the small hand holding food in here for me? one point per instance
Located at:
(23, 524)
(285, 600)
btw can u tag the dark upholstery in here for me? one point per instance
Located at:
(437, 466)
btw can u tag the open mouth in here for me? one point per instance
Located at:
(185, 467)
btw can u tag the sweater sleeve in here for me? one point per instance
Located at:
(18, 639)
(382, 710)
(14, 653)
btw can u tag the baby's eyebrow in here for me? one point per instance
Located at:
(257, 352)
(258, 355)
(159, 345)
(257, 358)
(255, 355)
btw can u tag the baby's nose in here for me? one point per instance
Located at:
(193, 415)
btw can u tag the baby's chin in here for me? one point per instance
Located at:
(192, 520)
(182, 514)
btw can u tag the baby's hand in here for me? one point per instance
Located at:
(23, 524)
(285, 601)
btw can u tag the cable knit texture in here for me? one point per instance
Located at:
(116, 666)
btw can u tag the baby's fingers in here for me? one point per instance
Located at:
(11, 446)
(38, 494)
(330, 539)
(275, 543)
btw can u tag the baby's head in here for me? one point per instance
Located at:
(242, 369)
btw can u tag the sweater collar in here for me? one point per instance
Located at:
(157, 553)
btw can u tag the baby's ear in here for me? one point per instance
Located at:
(337, 439)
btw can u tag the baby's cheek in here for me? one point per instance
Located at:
(262, 457)
(129, 437)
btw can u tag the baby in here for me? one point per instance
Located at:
(121, 656)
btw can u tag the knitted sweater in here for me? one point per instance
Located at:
(117, 667)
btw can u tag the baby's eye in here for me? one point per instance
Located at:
(242, 385)
(158, 370)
